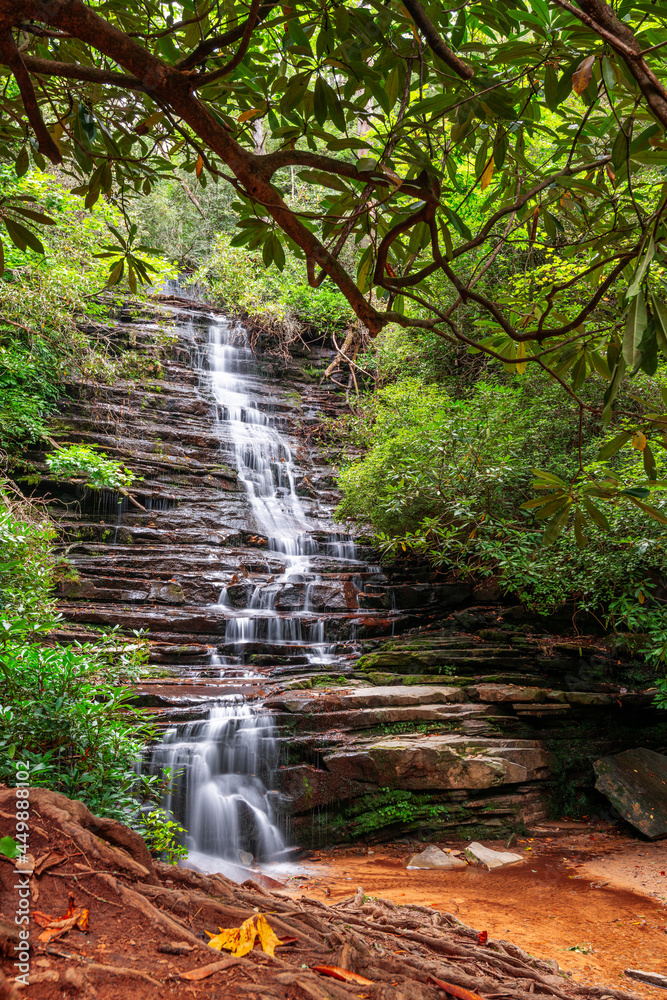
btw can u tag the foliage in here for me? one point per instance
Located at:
(26, 564)
(429, 163)
(444, 476)
(63, 709)
(51, 309)
(238, 278)
(163, 836)
(97, 468)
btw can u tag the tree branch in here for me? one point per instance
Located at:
(430, 33)
(230, 66)
(87, 74)
(600, 18)
(11, 55)
(211, 45)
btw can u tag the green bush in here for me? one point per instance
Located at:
(445, 477)
(240, 281)
(48, 304)
(164, 836)
(96, 468)
(63, 709)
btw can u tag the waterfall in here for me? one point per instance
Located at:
(222, 767)
(220, 770)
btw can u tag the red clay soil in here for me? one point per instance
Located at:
(145, 936)
(572, 893)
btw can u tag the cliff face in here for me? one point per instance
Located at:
(461, 712)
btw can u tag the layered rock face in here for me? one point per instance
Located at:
(460, 714)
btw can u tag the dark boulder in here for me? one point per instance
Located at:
(635, 782)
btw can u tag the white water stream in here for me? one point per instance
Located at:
(223, 767)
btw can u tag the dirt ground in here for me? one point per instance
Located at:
(593, 898)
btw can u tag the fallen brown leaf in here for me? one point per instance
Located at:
(335, 972)
(55, 927)
(456, 991)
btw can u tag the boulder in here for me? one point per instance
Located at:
(635, 782)
(433, 857)
(490, 859)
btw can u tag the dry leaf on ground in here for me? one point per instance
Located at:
(345, 975)
(55, 927)
(456, 991)
(241, 940)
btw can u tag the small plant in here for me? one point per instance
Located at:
(9, 848)
(98, 470)
(163, 836)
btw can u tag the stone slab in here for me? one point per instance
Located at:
(443, 761)
(635, 782)
(433, 857)
(491, 859)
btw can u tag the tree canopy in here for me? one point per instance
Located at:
(436, 140)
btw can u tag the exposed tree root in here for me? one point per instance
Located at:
(141, 910)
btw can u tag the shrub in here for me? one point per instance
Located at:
(98, 470)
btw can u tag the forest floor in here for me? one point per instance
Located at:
(592, 897)
(108, 922)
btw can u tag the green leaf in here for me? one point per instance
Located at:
(320, 101)
(660, 321)
(9, 847)
(556, 525)
(22, 163)
(547, 478)
(298, 35)
(363, 270)
(551, 88)
(595, 514)
(21, 236)
(44, 220)
(617, 373)
(653, 512)
(616, 443)
(634, 330)
(620, 149)
(641, 270)
(581, 539)
(649, 463)
(458, 223)
(116, 273)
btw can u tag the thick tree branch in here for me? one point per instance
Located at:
(600, 18)
(87, 74)
(174, 88)
(230, 66)
(11, 55)
(216, 42)
(430, 33)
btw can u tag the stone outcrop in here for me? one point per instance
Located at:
(635, 782)
(438, 709)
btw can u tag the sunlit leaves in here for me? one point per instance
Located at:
(124, 257)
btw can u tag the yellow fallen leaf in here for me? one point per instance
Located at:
(241, 940)
(268, 939)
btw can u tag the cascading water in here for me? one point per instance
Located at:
(220, 771)
(266, 467)
(222, 767)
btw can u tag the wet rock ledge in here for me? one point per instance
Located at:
(441, 709)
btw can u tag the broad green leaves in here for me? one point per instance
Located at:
(126, 254)
(517, 205)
